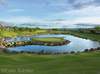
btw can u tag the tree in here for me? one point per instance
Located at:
(2, 28)
(21, 29)
(15, 28)
(93, 31)
(26, 29)
(81, 30)
(30, 29)
(54, 29)
(97, 28)
(37, 28)
(34, 29)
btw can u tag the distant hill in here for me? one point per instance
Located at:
(1, 25)
(69, 28)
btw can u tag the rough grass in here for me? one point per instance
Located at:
(78, 63)
(48, 39)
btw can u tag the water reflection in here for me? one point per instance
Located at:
(76, 44)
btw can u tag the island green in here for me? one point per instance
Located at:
(48, 39)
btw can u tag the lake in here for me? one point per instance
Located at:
(76, 44)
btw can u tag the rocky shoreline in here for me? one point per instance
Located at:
(26, 42)
(7, 51)
(4, 45)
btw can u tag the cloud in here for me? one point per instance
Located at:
(3, 2)
(32, 24)
(79, 4)
(57, 20)
(72, 1)
(86, 24)
(15, 10)
(41, 2)
(6, 23)
(63, 8)
(67, 26)
(48, 3)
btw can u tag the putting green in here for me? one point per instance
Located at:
(48, 39)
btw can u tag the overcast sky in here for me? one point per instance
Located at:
(50, 13)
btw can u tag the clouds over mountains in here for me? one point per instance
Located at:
(33, 24)
(86, 24)
(6, 23)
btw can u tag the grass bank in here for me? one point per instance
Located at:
(48, 39)
(12, 33)
(78, 63)
(89, 36)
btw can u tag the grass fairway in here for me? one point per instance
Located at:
(79, 63)
(89, 36)
(11, 33)
(48, 39)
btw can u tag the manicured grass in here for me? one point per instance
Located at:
(78, 63)
(89, 36)
(11, 33)
(48, 39)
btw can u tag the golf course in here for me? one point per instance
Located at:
(77, 63)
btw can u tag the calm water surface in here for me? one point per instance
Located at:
(76, 44)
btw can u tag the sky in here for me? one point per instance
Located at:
(50, 13)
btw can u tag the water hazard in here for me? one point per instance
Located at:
(76, 44)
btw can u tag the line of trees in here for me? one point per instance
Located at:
(25, 29)
(15, 28)
(93, 30)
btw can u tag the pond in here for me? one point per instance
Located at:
(76, 44)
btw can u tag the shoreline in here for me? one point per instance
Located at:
(6, 38)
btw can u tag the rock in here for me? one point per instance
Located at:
(72, 52)
(55, 53)
(29, 52)
(23, 51)
(6, 51)
(33, 52)
(66, 52)
(49, 52)
(59, 53)
(86, 50)
(12, 43)
(2, 46)
(41, 52)
(98, 48)
(51, 44)
(91, 50)
(14, 52)
(46, 44)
